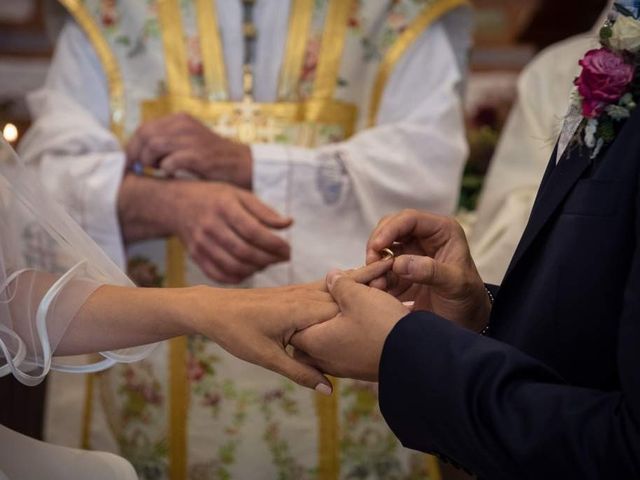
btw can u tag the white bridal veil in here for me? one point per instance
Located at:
(48, 269)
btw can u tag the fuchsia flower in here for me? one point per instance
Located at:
(604, 80)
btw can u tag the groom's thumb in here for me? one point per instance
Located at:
(343, 288)
(427, 271)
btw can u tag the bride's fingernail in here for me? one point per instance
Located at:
(323, 389)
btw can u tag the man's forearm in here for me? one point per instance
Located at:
(145, 208)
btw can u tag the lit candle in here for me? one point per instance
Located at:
(10, 132)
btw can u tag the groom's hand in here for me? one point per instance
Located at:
(350, 345)
(436, 269)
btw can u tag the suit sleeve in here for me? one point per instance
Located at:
(501, 414)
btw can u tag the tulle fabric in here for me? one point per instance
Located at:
(48, 269)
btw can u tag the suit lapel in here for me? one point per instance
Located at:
(557, 182)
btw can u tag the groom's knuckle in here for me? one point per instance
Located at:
(428, 270)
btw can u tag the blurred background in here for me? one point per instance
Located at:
(509, 33)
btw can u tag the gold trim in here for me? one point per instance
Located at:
(178, 409)
(333, 39)
(312, 111)
(107, 59)
(175, 55)
(433, 468)
(299, 24)
(215, 70)
(327, 409)
(429, 15)
(175, 264)
(178, 380)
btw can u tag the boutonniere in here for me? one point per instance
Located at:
(608, 88)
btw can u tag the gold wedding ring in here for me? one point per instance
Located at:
(387, 253)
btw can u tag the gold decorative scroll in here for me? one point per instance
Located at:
(431, 13)
(107, 59)
(215, 71)
(299, 24)
(312, 111)
(333, 39)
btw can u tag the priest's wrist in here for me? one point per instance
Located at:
(244, 174)
(144, 208)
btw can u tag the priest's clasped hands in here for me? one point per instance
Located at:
(435, 270)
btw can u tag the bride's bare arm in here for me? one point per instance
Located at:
(254, 325)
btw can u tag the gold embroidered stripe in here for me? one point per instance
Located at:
(173, 42)
(333, 38)
(299, 24)
(178, 409)
(316, 112)
(215, 71)
(431, 13)
(329, 434)
(108, 61)
(178, 379)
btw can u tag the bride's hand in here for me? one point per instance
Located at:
(256, 325)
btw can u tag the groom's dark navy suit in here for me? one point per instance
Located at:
(556, 392)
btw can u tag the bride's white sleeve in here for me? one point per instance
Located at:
(48, 269)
